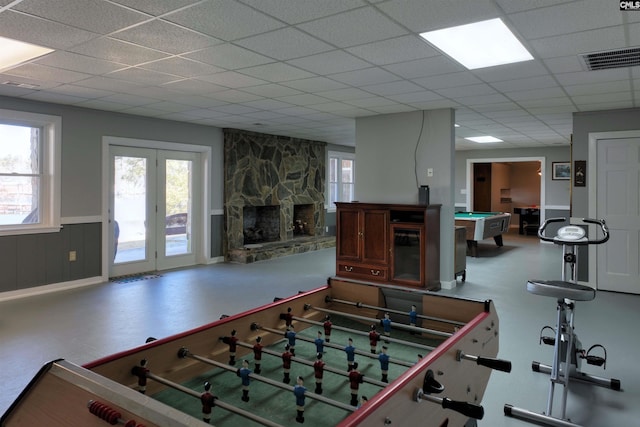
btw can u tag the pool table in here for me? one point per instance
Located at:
(482, 225)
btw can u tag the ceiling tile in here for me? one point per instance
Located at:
(578, 43)
(106, 83)
(348, 93)
(271, 90)
(224, 19)
(418, 96)
(286, 43)
(364, 77)
(400, 49)
(425, 67)
(75, 62)
(469, 90)
(155, 7)
(524, 84)
(56, 98)
(421, 15)
(144, 77)
(564, 64)
(133, 100)
(586, 77)
(31, 29)
(315, 84)
(593, 88)
(511, 6)
(181, 67)
(267, 104)
(336, 61)
(44, 73)
(81, 92)
(549, 92)
(508, 71)
(193, 86)
(393, 88)
(303, 99)
(166, 37)
(118, 51)
(234, 96)
(374, 101)
(91, 15)
(231, 79)
(296, 11)
(229, 56)
(448, 80)
(277, 72)
(359, 26)
(566, 18)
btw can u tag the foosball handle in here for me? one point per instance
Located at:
(471, 410)
(489, 362)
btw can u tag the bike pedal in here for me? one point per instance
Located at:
(595, 360)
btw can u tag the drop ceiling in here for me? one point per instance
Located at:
(309, 68)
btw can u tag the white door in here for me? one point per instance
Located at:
(618, 203)
(152, 209)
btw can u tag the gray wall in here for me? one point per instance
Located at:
(393, 154)
(81, 187)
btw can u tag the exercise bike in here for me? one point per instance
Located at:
(567, 349)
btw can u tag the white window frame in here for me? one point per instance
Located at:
(340, 155)
(50, 155)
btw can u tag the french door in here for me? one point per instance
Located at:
(152, 209)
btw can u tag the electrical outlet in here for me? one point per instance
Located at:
(72, 256)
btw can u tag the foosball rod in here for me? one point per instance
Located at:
(183, 352)
(374, 320)
(420, 316)
(332, 345)
(218, 403)
(390, 339)
(309, 363)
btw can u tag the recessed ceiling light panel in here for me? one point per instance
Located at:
(483, 139)
(14, 52)
(480, 44)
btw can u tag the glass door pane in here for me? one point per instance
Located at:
(178, 207)
(130, 208)
(407, 253)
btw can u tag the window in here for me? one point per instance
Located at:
(29, 173)
(341, 175)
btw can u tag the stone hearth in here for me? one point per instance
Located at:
(265, 174)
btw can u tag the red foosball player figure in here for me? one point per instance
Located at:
(208, 402)
(287, 317)
(327, 328)
(257, 354)
(299, 390)
(286, 364)
(244, 373)
(141, 371)
(318, 371)
(232, 341)
(355, 379)
(374, 337)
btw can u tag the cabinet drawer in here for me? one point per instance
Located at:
(365, 272)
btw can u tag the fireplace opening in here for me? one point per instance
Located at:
(261, 224)
(304, 220)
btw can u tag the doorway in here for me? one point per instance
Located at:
(500, 197)
(155, 214)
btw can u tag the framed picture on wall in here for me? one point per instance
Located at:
(561, 170)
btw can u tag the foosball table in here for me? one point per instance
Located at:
(346, 354)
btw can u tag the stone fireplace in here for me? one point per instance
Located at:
(274, 195)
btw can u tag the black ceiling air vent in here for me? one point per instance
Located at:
(620, 58)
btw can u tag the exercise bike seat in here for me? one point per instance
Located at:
(561, 289)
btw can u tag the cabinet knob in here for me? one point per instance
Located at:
(375, 272)
(348, 268)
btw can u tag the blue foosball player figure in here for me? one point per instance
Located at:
(383, 357)
(291, 336)
(351, 355)
(319, 342)
(386, 326)
(299, 390)
(244, 373)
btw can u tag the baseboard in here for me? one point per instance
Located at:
(46, 289)
(215, 260)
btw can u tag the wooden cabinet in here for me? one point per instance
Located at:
(393, 243)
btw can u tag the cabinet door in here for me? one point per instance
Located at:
(375, 229)
(407, 265)
(348, 237)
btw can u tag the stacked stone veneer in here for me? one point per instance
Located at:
(266, 170)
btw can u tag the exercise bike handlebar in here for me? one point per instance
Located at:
(598, 222)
